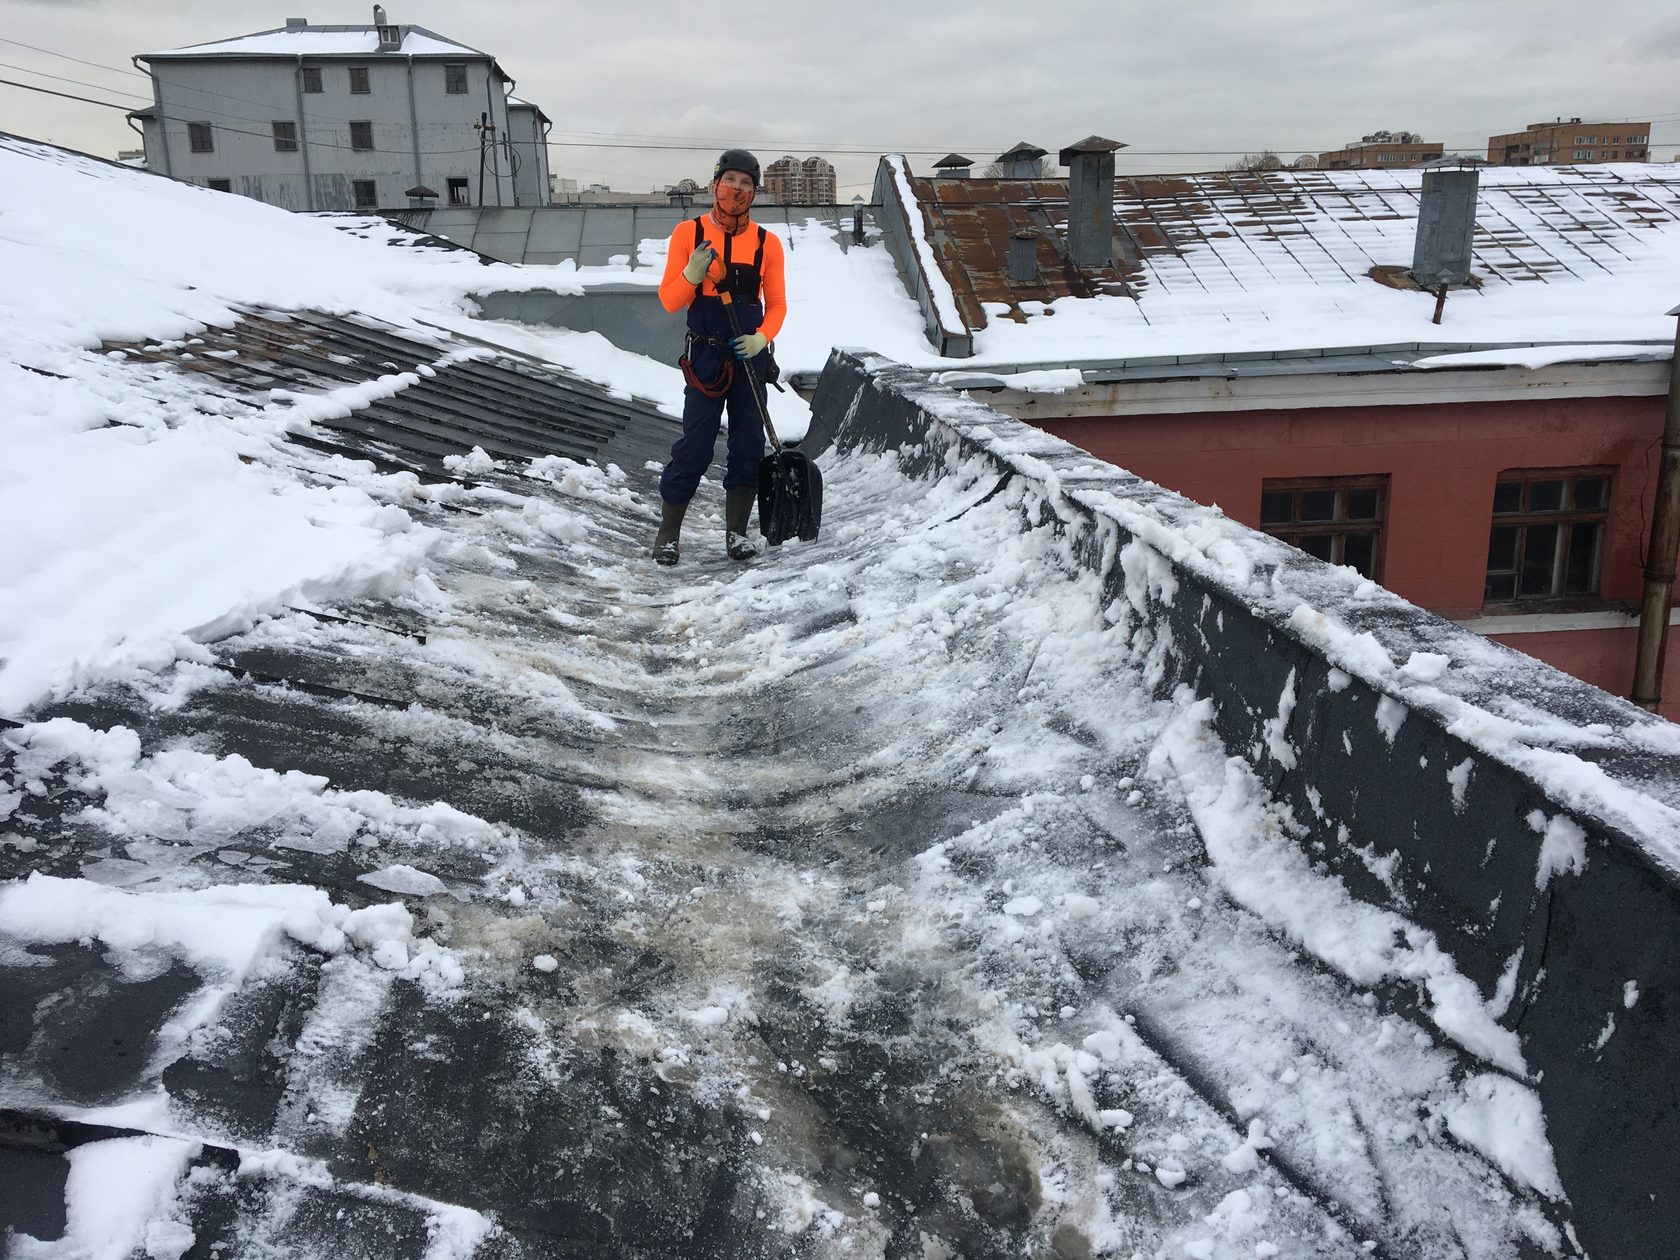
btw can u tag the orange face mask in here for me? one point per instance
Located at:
(732, 201)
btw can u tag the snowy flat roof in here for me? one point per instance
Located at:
(323, 41)
(373, 806)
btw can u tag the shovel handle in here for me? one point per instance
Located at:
(763, 411)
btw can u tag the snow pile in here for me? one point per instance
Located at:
(148, 512)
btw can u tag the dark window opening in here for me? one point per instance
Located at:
(219, 185)
(455, 77)
(1547, 537)
(285, 136)
(367, 194)
(458, 192)
(1337, 519)
(200, 139)
(361, 135)
(312, 78)
(359, 80)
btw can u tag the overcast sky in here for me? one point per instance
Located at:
(1232, 75)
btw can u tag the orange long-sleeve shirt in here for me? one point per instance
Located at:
(675, 293)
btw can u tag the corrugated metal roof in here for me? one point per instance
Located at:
(1227, 232)
(462, 395)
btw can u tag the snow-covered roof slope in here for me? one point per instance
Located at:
(412, 864)
(323, 41)
(1285, 260)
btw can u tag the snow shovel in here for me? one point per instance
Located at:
(789, 485)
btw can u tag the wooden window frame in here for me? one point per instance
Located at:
(311, 76)
(197, 129)
(361, 122)
(449, 80)
(466, 191)
(1338, 526)
(285, 135)
(219, 185)
(360, 74)
(1525, 518)
(356, 186)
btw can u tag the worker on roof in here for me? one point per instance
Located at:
(727, 359)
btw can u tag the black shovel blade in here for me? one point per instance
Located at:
(789, 498)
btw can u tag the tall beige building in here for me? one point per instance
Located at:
(1571, 142)
(800, 183)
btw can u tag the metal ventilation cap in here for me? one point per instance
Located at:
(1452, 161)
(1090, 144)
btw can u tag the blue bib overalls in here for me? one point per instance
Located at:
(709, 354)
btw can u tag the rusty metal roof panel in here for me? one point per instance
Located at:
(1230, 232)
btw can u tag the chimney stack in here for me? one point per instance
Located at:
(1021, 162)
(297, 24)
(952, 166)
(1446, 227)
(379, 15)
(1090, 227)
(1023, 256)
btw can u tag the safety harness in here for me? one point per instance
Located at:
(736, 282)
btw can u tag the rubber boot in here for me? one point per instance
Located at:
(737, 507)
(670, 525)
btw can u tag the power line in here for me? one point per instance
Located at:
(18, 43)
(66, 95)
(79, 82)
(238, 131)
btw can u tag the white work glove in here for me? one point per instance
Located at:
(748, 345)
(695, 270)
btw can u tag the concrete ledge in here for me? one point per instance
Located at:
(628, 315)
(1529, 821)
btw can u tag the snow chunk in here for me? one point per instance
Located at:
(1563, 847)
(1503, 1120)
(545, 962)
(403, 879)
(1425, 666)
(1025, 907)
(1390, 715)
(1246, 1158)
(120, 1199)
(1459, 777)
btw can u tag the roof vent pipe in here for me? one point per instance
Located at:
(1090, 227)
(1446, 228)
(1021, 162)
(1023, 256)
(379, 15)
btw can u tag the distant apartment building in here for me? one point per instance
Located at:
(1382, 150)
(344, 118)
(793, 182)
(1571, 142)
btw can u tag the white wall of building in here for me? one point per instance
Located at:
(422, 133)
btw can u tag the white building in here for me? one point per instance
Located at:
(344, 118)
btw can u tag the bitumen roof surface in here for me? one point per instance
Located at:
(794, 908)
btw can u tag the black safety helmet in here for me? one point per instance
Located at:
(736, 160)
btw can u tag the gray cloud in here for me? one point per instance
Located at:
(1219, 75)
